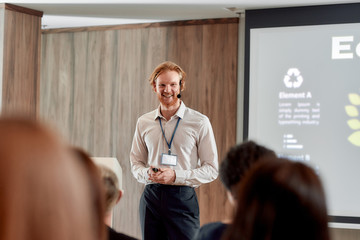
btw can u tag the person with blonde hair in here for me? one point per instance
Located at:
(111, 176)
(280, 199)
(45, 191)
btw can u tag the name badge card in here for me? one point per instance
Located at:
(168, 159)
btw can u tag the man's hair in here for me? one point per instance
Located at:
(168, 66)
(238, 161)
(111, 186)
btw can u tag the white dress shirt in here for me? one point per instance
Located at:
(193, 143)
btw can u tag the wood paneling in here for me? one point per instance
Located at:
(94, 87)
(210, 59)
(344, 234)
(143, 25)
(20, 61)
(24, 10)
(2, 27)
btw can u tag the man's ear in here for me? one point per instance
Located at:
(182, 86)
(119, 197)
(154, 86)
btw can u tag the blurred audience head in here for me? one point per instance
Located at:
(97, 190)
(111, 174)
(238, 160)
(44, 191)
(280, 199)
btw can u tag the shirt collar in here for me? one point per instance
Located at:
(180, 112)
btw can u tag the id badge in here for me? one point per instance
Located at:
(168, 159)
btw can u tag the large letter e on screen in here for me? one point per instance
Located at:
(339, 45)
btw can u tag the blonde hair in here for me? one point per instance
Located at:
(111, 185)
(168, 66)
(45, 192)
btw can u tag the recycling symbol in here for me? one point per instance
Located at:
(293, 79)
(354, 123)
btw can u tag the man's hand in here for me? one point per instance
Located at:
(163, 176)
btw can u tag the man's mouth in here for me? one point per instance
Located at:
(167, 96)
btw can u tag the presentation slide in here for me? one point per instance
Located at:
(304, 102)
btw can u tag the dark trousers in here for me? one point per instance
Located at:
(168, 212)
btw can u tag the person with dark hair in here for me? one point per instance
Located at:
(45, 191)
(238, 160)
(278, 200)
(173, 151)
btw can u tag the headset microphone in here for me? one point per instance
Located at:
(179, 95)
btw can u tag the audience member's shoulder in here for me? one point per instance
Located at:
(113, 235)
(211, 231)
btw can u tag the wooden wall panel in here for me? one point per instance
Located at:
(210, 60)
(94, 87)
(20, 60)
(344, 234)
(2, 28)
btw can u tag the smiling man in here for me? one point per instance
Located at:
(173, 152)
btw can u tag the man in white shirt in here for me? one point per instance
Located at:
(173, 152)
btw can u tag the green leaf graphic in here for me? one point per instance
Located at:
(354, 124)
(355, 138)
(354, 99)
(351, 111)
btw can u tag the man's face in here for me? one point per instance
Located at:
(167, 87)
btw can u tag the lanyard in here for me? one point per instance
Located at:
(172, 137)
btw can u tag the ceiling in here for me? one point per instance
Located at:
(78, 13)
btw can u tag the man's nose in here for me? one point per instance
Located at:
(167, 88)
